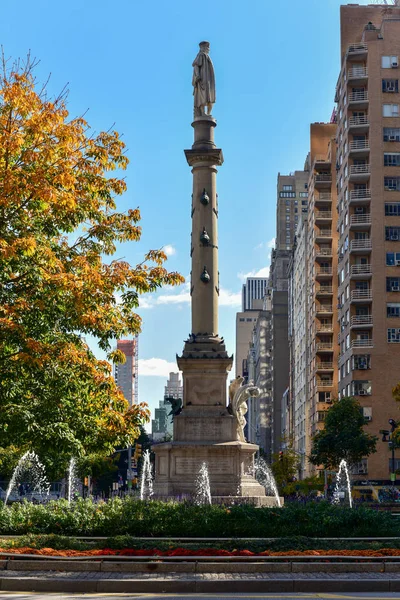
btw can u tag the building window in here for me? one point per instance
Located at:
(393, 259)
(287, 194)
(391, 159)
(393, 335)
(392, 234)
(362, 388)
(392, 184)
(390, 85)
(287, 188)
(392, 209)
(393, 310)
(242, 320)
(389, 62)
(390, 110)
(391, 134)
(303, 194)
(361, 361)
(392, 284)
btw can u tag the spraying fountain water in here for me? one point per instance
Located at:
(264, 476)
(30, 472)
(203, 491)
(342, 484)
(73, 480)
(146, 480)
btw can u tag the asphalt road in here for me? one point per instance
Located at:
(57, 596)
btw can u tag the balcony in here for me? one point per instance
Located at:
(324, 366)
(360, 221)
(324, 383)
(368, 343)
(359, 124)
(324, 309)
(360, 246)
(324, 346)
(360, 173)
(325, 290)
(323, 253)
(322, 181)
(357, 75)
(362, 196)
(324, 198)
(361, 321)
(324, 273)
(357, 52)
(361, 295)
(322, 235)
(359, 149)
(360, 271)
(358, 99)
(321, 216)
(321, 163)
(325, 328)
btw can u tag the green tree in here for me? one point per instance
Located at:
(285, 466)
(343, 436)
(59, 282)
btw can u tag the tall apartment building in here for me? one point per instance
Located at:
(322, 274)
(174, 387)
(292, 199)
(162, 424)
(126, 374)
(253, 292)
(254, 289)
(299, 402)
(369, 218)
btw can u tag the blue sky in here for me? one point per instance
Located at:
(129, 63)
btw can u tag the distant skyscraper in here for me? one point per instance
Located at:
(174, 387)
(254, 289)
(125, 375)
(162, 424)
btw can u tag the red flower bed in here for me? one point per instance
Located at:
(200, 552)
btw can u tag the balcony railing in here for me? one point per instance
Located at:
(325, 366)
(324, 328)
(325, 383)
(325, 271)
(361, 295)
(360, 245)
(360, 269)
(323, 214)
(324, 233)
(361, 96)
(323, 178)
(360, 219)
(357, 73)
(361, 320)
(324, 197)
(324, 252)
(360, 194)
(359, 145)
(324, 308)
(357, 48)
(361, 120)
(324, 290)
(368, 343)
(360, 169)
(325, 346)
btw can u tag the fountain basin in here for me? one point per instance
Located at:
(229, 467)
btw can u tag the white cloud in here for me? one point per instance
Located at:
(156, 367)
(262, 245)
(228, 298)
(263, 272)
(169, 250)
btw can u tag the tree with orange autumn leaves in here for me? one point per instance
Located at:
(58, 220)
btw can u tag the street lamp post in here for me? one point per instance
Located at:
(387, 436)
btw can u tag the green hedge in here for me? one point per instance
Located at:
(133, 517)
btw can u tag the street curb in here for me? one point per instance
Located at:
(192, 586)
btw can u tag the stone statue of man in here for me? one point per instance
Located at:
(203, 81)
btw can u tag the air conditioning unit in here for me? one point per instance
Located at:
(394, 237)
(397, 263)
(394, 65)
(362, 393)
(394, 288)
(362, 364)
(360, 210)
(362, 471)
(390, 88)
(392, 138)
